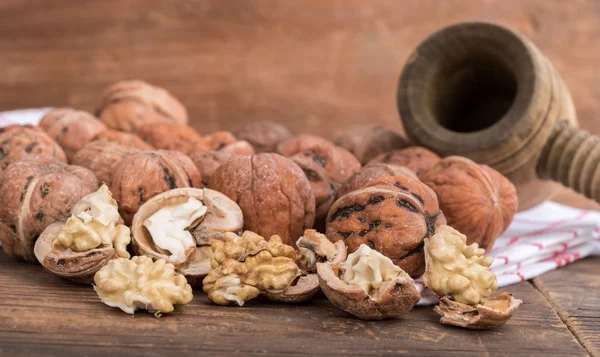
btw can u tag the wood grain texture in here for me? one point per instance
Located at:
(43, 315)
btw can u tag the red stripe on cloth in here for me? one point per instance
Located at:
(552, 225)
(503, 258)
(521, 276)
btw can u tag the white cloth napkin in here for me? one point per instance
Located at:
(541, 239)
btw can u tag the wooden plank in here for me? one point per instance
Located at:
(43, 315)
(574, 293)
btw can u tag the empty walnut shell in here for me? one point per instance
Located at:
(79, 267)
(18, 141)
(35, 195)
(416, 158)
(131, 105)
(222, 215)
(71, 128)
(208, 162)
(494, 313)
(169, 136)
(393, 216)
(476, 200)
(368, 141)
(273, 193)
(322, 187)
(101, 158)
(264, 135)
(145, 174)
(301, 289)
(370, 173)
(124, 138)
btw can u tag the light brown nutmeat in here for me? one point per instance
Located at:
(101, 157)
(264, 135)
(273, 193)
(476, 200)
(145, 174)
(494, 313)
(368, 141)
(131, 105)
(393, 216)
(416, 158)
(168, 136)
(370, 173)
(33, 196)
(129, 140)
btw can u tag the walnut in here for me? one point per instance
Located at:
(35, 195)
(140, 283)
(92, 236)
(168, 136)
(322, 187)
(131, 105)
(225, 141)
(370, 173)
(393, 216)
(179, 225)
(18, 141)
(494, 313)
(272, 192)
(245, 266)
(208, 162)
(102, 157)
(314, 248)
(71, 128)
(124, 138)
(143, 175)
(415, 158)
(368, 285)
(457, 269)
(476, 200)
(264, 135)
(368, 141)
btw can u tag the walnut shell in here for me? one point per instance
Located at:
(370, 173)
(415, 158)
(322, 187)
(71, 128)
(393, 216)
(368, 141)
(167, 136)
(208, 162)
(224, 141)
(124, 138)
(494, 313)
(264, 135)
(101, 158)
(35, 195)
(273, 193)
(145, 174)
(476, 199)
(18, 141)
(131, 105)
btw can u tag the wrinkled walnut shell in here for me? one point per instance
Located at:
(124, 138)
(224, 141)
(167, 136)
(208, 162)
(370, 173)
(264, 135)
(273, 193)
(476, 200)
(101, 158)
(368, 141)
(71, 128)
(35, 195)
(494, 313)
(131, 105)
(143, 175)
(416, 158)
(322, 187)
(302, 289)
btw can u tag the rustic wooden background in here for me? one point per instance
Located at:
(314, 65)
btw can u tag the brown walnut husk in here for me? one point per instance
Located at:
(476, 200)
(35, 195)
(131, 105)
(368, 141)
(167, 136)
(264, 135)
(370, 173)
(273, 193)
(494, 313)
(124, 138)
(416, 158)
(393, 216)
(71, 129)
(101, 158)
(145, 174)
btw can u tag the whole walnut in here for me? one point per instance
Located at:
(370, 173)
(273, 193)
(168, 136)
(264, 135)
(124, 138)
(131, 105)
(476, 199)
(208, 162)
(101, 157)
(368, 141)
(322, 186)
(71, 128)
(145, 174)
(18, 141)
(415, 158)
(393, 216)
(225, 141)
(35, 195)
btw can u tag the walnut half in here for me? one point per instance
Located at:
(494, 313)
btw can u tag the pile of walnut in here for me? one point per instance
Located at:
(143, 206)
